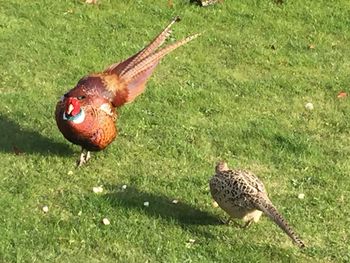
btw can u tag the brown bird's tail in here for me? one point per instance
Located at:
(134, 72)
(268, 208)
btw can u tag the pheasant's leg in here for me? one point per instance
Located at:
(87, 156)
(82, 158)
(247, 224)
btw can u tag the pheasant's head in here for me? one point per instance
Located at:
(73, 110)
(221, 166)
(72, 107)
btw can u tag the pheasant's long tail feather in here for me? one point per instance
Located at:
(156, 43)
(134, 72)
(120, 68)
(268, 208)
(136, 77)
(153, 59)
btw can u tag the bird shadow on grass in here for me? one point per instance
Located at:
(187, 216)
(18, 140)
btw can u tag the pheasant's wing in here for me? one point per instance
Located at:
(134, 72)
(242, 188)
(254, 182)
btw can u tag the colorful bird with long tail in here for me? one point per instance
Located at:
(86, 115)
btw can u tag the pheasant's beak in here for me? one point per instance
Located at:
(70, 109)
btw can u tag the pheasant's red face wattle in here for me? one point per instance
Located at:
(72, 106)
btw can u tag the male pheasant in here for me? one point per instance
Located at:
(242, 195)
(86, 114)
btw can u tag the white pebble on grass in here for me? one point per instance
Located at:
(301, 196)
(45, 209)
(175, 201)
(70, 173)
(97, 189)
(105, 221)
(146, 204)
(309, 106)
(124, 186)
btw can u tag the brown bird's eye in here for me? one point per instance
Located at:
(81, 97)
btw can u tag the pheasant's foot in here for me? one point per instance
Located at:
(226, 221)
(229, 220)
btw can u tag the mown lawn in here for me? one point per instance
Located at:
(236, 93)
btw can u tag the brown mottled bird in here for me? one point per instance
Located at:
(242, 195)
(86, 114)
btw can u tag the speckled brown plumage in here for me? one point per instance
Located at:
(86, 114)
(242, 195)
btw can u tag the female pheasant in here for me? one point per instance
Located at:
(242, 195)
(86, 114)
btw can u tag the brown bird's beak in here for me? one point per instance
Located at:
(70, 109)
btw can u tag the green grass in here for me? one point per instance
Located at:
(236, 93)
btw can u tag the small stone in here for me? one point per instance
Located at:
(309, 106)
(301, 196)
(175, 201)
(97, 189)
(45, 209)
(70, 173)
(191, 241)
(214, 204)
(105, 221)
(146, 204)
(124, 186)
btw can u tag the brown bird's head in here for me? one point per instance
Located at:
(221, 166)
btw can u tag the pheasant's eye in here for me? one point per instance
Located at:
(81, 97)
